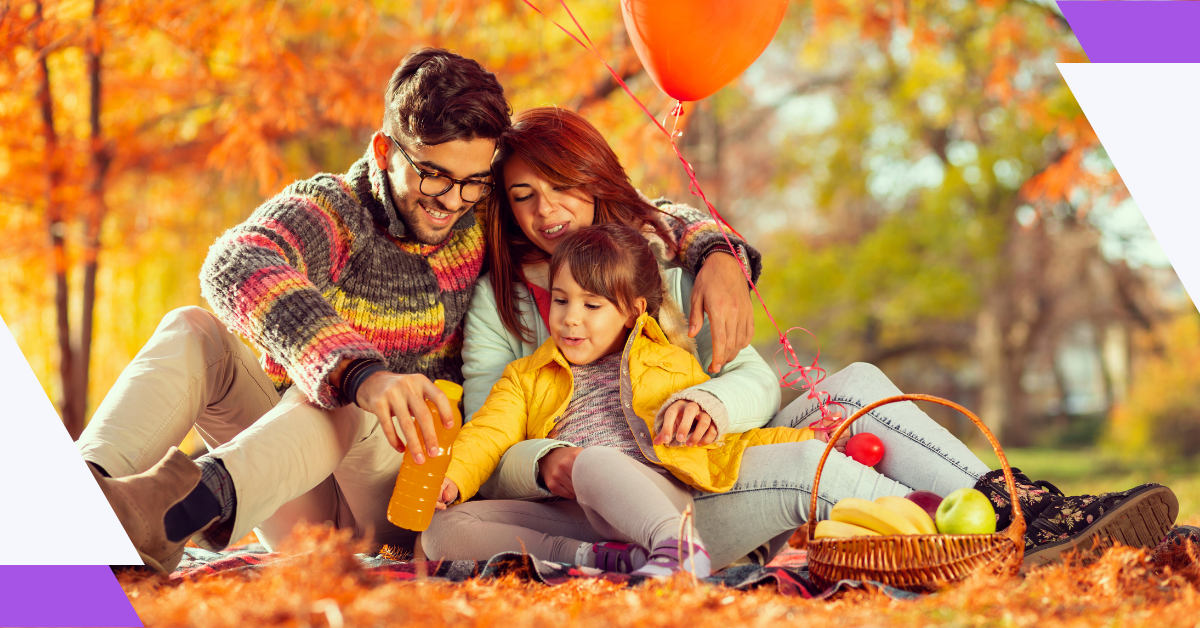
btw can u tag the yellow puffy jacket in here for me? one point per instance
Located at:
(534, 391)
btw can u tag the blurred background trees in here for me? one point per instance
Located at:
(948, 212)
(926, 190)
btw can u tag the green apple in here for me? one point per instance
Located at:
(966, 511)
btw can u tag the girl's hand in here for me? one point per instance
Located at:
(840, 445)
(448, 495)
(555, 468)
(686, 421)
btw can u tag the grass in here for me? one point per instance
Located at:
(325, 587)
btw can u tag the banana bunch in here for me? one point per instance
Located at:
(886, 515)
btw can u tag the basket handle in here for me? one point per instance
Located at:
(1016, 530)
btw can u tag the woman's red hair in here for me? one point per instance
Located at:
(565, 149)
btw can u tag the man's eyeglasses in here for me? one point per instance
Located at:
(435, 184)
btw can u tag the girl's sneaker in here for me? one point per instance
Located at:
(665, 560)
(619, 557)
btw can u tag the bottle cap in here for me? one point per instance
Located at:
(453, 391)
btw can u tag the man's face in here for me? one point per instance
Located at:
(429, 218)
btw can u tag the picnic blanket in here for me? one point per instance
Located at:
(788, 572)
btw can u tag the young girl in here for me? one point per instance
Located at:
(601, 381)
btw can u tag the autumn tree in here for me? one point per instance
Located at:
(135, 132)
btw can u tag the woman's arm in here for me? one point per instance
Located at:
(488, 347)
(720, 291)
(744, 395)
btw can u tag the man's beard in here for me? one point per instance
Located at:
(414, 218)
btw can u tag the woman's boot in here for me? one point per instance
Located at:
(1056, 523)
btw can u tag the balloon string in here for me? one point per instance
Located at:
(809, 376)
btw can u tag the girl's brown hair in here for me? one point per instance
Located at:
(565, 149)
(612, 261)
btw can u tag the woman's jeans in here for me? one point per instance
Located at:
(771, 497)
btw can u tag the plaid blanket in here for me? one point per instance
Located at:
(788, 572)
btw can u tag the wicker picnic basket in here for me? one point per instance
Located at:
(915, 562)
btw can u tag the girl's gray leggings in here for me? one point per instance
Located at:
(616, 499)
(771, 496)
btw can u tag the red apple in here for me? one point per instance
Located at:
(927, 500)
(866, 449)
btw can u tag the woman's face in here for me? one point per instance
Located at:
(546, 213)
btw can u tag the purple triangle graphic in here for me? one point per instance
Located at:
(63, 595)
(1136, 32)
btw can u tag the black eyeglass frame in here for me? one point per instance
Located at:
(462, 183)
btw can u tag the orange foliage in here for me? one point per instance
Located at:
(829, 11)
(323, 586)
(925, 36)
(234, 82)
(208, 107)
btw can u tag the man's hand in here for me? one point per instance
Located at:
(555, 468)
(388, 395)
(448, 495)
(686, 421)
(721, 292)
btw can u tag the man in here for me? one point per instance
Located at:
(354, 288)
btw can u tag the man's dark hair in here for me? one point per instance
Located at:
(436, 96)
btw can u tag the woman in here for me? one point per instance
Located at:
(556, 173)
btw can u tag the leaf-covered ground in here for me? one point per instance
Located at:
(326, 587)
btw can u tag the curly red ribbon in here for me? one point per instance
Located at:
(811, 375)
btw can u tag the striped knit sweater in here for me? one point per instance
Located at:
(326, 271)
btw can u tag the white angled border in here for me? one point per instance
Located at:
(1147, 116)
(53, 511)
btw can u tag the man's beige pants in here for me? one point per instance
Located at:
(290, 460)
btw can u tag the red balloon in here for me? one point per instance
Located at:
(692, 48)
(866, 449)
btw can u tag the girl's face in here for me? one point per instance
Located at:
(546, 213)
(587, 327)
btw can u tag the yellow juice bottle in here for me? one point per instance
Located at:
(418, 485)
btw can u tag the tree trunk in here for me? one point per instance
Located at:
(100, 159)
(994, 407)
(1018, 432)
(1018, 309)
(71, 416)
(1001, 354)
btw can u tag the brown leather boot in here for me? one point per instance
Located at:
(141, 501)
